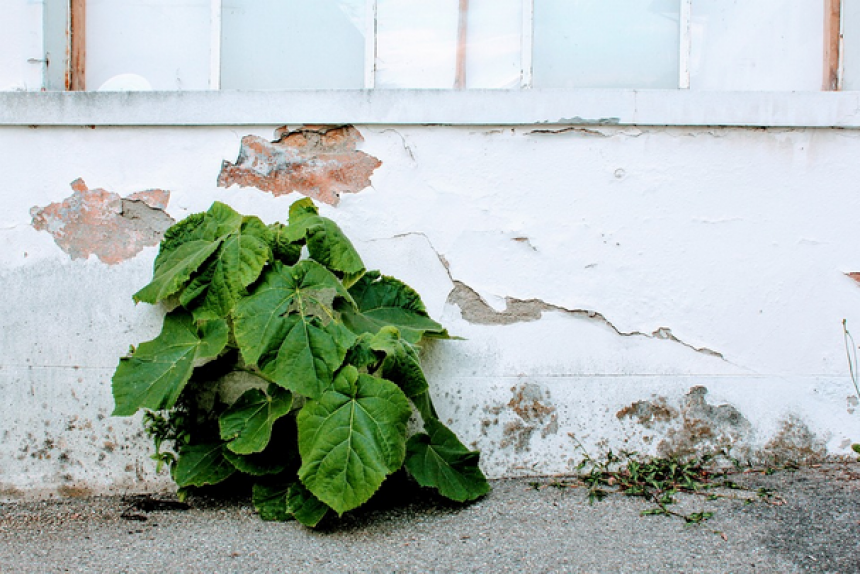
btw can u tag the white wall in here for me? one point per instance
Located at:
(736, 240)
(659, 289)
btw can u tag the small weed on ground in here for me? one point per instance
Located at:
(660, 480)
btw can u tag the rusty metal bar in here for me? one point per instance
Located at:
(832, 44)
(77, 76)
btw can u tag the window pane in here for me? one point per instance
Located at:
(494, 43)
(416, 43)
(164, 44)
(851, 45)
(606, 43)
(292, 44)
(761, 45)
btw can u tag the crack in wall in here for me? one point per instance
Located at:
(406, 146)
(584, 131)
(475, 310)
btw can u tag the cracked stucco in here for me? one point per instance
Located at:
(475, 310)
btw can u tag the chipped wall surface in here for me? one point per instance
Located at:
(101, 223)
(319, 162)
(667, 290)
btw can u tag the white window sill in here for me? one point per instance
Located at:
(433, 107)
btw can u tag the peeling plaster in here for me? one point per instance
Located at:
(704, 427)
(317, 161)
(475, 310)
(101, 223)
(854, 275)
(530, 410)
(697, 427)
(649, 413)
(795, 442)
(574, 129)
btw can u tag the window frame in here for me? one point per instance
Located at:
(526, 106)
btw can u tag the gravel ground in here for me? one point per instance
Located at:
(814, 527)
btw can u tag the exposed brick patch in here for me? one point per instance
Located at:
(101, 223)
(317, 161)
(854, 275)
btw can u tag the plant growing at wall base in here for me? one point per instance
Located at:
(283, 362)
(851, 351)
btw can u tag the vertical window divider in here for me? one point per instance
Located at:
(370, 32)
(527, 48)
(462, 45)
(76, 79)
(831, 80)
(686, 45)
(215, 10)
(841, 45)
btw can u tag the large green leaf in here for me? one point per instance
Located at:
(326, 242)
(439, 460)
(270, 461)
(238, 262)
(352, 438)
(174, 270)
(158, 370)
(309, 355)
(402, 366)
(283, 249)
(247, 424)
(385, 301)
(270, 500)
(186, 246)
(362, 356)
(202, 464)
(304, 506)
(288, 327)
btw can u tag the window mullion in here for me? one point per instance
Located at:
(527, 49)
(215, 45)
(370, 45)
(685, 44)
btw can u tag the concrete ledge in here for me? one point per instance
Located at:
(433, 107)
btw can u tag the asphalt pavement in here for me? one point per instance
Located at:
(811, 523)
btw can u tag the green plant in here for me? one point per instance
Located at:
(851, 352)
(660, 480)
(283, 363)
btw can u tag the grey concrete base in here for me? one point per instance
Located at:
(516, 528)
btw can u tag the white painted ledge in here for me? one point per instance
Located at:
(433, 107)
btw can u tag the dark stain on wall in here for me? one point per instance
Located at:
(317, 161)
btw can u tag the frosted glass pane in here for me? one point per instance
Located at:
(494, 41)
(292, 44)
(162, 43)
(757, 45)
(606, 43)
(851, 45)
(416, 43)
